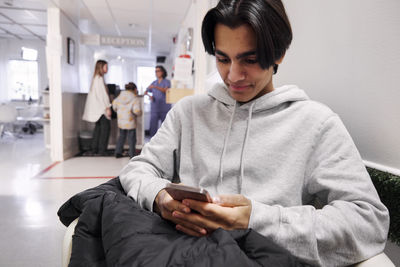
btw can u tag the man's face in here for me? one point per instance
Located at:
(235, 52)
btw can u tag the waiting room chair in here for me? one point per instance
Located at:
(380, 260)
(8, 116)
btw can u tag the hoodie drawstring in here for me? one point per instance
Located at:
(221, 166)
(221, 162)
(244, 146)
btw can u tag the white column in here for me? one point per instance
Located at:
(53, 56)
(200, 56)
(3, 71)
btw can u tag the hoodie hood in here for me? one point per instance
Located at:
(287, 93)
(126, 97)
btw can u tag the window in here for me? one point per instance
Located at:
(114, 75)
(23, 80)
(145, 76)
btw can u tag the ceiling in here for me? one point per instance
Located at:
(23, 19)
(156, 20)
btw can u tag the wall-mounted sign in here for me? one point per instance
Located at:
(90, 39)
(183, 69)
(122, 41)
(97, 39)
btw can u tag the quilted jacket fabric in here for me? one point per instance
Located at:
(114, 231)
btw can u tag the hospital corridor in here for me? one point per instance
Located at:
(279, 118)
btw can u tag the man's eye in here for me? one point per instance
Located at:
(222, 60)
(251, 61)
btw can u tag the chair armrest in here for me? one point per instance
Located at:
(380, 260)
(67, 243)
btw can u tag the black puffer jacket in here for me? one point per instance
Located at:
(114, 231)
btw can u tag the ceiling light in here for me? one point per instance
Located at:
(29, 53)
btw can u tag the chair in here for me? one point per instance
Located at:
(380, 260)
(67, 243)
(8, 115)
(31, 116)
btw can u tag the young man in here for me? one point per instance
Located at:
(266, 154)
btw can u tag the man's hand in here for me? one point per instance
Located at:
(227, 211)
(165, 205)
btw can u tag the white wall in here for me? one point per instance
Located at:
(346, 54)
(11, 49)
(70, 85)
(86, 67)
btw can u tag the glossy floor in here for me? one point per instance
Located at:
(32, 188)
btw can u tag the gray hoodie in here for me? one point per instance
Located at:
(283, 152)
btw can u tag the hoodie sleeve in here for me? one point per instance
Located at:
(352, 223)
(146, 174)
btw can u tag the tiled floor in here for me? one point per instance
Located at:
(32, 188)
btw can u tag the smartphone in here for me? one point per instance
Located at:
(180, 192)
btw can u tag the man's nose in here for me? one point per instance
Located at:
(236, 72)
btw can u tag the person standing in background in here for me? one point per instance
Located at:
(159, 107)
(98, 109)
(127, 106)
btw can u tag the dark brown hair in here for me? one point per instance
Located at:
(267, 18)
(130, 86)
(163, 70)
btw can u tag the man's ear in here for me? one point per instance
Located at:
(279, 61)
